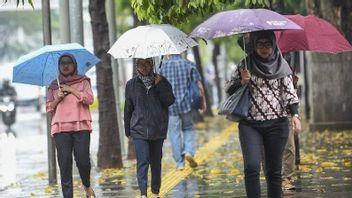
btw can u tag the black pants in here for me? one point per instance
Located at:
(148, 152)
(254, 136)
(78, 143)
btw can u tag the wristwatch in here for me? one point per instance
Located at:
(296, 115)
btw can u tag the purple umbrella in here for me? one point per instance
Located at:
(242, 21)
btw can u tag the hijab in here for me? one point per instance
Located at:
(68, 80)
(147, 80)
(275, 66)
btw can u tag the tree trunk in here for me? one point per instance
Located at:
(109, 153)
(195, 49)
(346, 18)
(216, 53)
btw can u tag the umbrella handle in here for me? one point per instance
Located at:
(58, 84)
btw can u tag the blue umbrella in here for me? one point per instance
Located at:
(41, 66)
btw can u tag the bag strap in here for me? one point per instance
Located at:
(190, 76)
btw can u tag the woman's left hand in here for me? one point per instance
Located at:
(72, 90)
(296, 125)
(66, 88)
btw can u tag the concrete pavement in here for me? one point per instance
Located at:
(326, 169)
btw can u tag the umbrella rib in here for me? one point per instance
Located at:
(46, 60)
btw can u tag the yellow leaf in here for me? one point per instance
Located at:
(305, 168)
(40, 175)
(328, 164)
(347, 164)
(215, 171)
(48, 189)
(235, 171)
(319, 170)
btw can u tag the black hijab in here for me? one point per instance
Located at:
(275, 66)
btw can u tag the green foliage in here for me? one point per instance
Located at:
(234, 52)
(175, 11)
(258, 3)
(294, 7)
(123, 12)
(186, 13)
(23, 2)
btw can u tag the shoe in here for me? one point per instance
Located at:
(287, 184)
(191, 161)
(92, 194)
(155, 196)
(180, 168)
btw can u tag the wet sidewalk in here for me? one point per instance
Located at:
(326, 169)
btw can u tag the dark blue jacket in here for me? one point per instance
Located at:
(146, 112)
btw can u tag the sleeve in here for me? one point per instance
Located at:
(164, 92)
(49, 99)
(195, 75)
(128, 110)
(86, 93)
(289, 95)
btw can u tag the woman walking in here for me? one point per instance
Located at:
(148, 96)
(272, 98)
(71, 123)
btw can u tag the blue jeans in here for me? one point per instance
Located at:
(254, 136)
(148, 152)
(181, 135)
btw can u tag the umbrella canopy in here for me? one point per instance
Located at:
(317, 35)
(150, 41)
(242, 21)
(41, 66)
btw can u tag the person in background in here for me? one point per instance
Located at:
(179, 73)
(8, 98)
(7, 89)
(289, 155)
(272, 99)
(68, 102)
(147, 98)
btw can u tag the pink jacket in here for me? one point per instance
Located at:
(72, 113)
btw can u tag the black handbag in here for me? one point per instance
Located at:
(236, 106)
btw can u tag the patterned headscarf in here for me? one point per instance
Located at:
(147, 80)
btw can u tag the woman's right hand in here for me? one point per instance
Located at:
(245, 76)
(60, 95)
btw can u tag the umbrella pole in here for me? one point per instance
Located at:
(244, 48)
(58, 83)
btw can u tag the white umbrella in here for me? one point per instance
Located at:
(150, 41)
